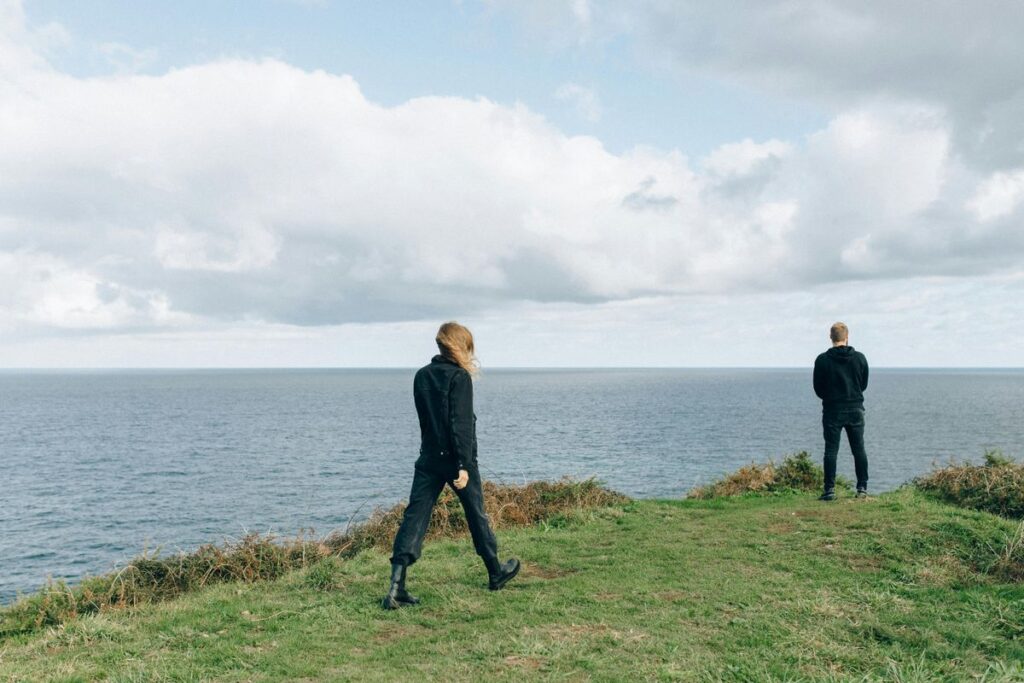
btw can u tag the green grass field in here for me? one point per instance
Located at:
(780, 587)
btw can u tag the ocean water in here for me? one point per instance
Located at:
(98, 466)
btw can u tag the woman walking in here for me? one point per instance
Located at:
(444, 402)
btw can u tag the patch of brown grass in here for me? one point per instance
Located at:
(507, 506)
(1009, 564)
(527, 663)
(997, 486)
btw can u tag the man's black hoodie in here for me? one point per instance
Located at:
(840, 378)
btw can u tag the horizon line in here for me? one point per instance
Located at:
(484, 369)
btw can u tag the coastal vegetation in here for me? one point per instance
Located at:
(996, 485)
(797, 472)
(760, 585)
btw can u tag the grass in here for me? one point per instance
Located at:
(900, 587)
(256, 558)
(997, 485)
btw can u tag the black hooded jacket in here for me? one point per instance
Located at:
(444, 402)
(840, 378)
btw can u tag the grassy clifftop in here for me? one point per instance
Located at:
(780, 587)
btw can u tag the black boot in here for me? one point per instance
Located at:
(499, 573)
(391, 600)
(403, 596)
(828, 496)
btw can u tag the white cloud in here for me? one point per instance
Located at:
(43, 291)
(125, 58)
(740, 158)
(584, 99)
(997, 196)
(185, 249)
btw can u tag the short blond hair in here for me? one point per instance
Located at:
(839, 332)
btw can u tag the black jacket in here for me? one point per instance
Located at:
(444, 402)
(840, 378)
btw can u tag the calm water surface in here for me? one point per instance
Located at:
(97, 466)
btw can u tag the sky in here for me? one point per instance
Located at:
(307, 183)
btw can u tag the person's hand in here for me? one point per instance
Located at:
(463, 479)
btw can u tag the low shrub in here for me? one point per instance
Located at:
(797, 472)
(995, 486)
(253, 558)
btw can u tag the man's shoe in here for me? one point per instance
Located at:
(828, 496)
(501, 573)
(862, 493)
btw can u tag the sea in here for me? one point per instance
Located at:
(99, 466)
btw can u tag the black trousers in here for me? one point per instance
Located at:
(833, 424)
(426, 487)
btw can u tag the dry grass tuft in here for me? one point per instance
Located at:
(797, 472)
(253, 558)
(1009, 563)
(507, 506)
(996, 486)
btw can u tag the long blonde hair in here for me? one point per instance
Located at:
(456, 344)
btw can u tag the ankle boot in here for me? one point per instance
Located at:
(500, 573)
(391, 600)
(403, 596)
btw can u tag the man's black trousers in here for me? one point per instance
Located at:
(426, 487)
(834, 422)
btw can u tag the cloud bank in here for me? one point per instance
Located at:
(243, 192)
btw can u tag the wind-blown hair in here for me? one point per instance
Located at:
(456, 344)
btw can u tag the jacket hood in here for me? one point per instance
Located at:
(840, 354)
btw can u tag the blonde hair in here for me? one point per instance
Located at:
(839, 332)
(456, 344)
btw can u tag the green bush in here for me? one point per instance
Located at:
(997, 486)
(796, 473)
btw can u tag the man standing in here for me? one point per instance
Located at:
(840, 378)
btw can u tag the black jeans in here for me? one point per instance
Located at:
(426, 487)
(834, 422)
